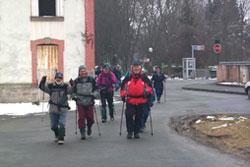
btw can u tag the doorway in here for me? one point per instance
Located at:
(47, 61)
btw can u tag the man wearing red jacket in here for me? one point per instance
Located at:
(136, 88)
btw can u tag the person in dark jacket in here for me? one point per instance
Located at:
(58, 104)
(105, 83)
(84, 93)
(158, 80)
(135, 89)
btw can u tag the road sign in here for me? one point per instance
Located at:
(217, 48)
(198, 47)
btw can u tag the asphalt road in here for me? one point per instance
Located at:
(28, 142)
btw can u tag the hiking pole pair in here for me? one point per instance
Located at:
(97, 122)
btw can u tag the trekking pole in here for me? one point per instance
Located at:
(42, 119)
(123, 109)
(97, 122)
(164, 89)
(76, 119)
(151, 124)
(39, 94)
(121, 118)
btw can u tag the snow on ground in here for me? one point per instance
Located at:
(231, 83)
(221, 126)
(20, 109)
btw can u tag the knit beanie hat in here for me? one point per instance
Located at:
(59, 75)
(81, 68)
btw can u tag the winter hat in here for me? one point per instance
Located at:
(82, 67)
(59, 75)
(157, 67)
(106, 66)
(136, 62)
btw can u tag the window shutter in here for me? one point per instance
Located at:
(34, 8)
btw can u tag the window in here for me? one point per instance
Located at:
(42, 8)
(47, 7)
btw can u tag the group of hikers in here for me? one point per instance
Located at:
(137, 91)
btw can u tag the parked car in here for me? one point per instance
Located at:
(247, 89)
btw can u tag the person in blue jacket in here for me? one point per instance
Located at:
(158, 80)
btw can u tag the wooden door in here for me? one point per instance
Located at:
(47, 61)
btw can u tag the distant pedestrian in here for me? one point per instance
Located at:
(135, 89)
(58, 104)
(98, 70)
(105, 83)
(158, 80)
(117, 70)
(84, 93)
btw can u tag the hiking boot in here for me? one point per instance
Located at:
(60, 141)
(89, 131)
(129, 135)
(82, 131)
(83, 136)
(137, 136)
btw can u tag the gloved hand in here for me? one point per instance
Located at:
(123, 99)
(147, 94)
(74, 98)
(44, 78)
(71, 82)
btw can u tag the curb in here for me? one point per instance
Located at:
(212, 90)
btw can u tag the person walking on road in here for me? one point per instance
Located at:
(58, 104)
(117, 70)
(158, 80)
(135, 89)
(105, 83)
(84, 93)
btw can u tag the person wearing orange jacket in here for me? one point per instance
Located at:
(135, 89)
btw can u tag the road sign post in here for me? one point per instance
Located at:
(217, 50)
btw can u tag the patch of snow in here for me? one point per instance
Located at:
(221, 126)
(242, 118)
(211, 117)
(231, 83)
(227, 119)
(198, 121)
(22, 108)
(19, 109)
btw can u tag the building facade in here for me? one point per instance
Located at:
(40, 37)
(233, 72)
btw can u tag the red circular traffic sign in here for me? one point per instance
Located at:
(217, 48)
